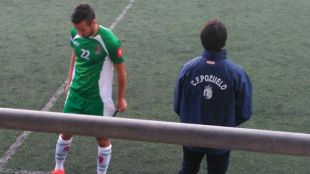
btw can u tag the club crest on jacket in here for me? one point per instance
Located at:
(207, 92)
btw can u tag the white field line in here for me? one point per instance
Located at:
(21, 139)
(122, 15)
(11, 171)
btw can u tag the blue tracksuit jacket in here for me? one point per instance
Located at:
(212, 90)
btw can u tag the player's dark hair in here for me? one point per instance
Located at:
(213, 36)
(83, 12)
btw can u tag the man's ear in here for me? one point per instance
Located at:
(94, 22)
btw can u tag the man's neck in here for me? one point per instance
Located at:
(95, 30)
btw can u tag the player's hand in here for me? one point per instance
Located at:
(121, 105)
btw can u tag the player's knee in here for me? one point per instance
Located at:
(66, 137)
(103, 142)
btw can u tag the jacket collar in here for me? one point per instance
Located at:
(209, 55)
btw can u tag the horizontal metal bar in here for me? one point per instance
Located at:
(158, 131)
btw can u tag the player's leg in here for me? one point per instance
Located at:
(72, 105)
(104, 154)
(63, 146)
(191, 161)
(96, 107)
(218, 164)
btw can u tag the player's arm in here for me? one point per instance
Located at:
(122, 82)
(72, 62)
(243, 100)
(115, 50)
(178, 90)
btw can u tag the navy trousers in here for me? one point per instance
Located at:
(217, 164)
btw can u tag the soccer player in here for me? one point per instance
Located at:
(96, 52)
(211, 90)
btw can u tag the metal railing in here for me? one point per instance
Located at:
(158, 131)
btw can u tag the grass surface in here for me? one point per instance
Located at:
(270, 39)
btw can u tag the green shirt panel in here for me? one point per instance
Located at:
(91, 53)
(113, 45)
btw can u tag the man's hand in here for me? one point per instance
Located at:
(121, 105)
(122, 81)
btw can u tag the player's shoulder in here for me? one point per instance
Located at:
(108, 37)
(189, 65)
(73, 32)
(106, 33)
(234, 66)
(235, 70)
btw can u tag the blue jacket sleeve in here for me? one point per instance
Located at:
(243, 99)
(178, 90)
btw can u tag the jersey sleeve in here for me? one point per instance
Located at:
(73, 33)
(115, 50)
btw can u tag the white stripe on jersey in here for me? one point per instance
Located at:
(106, 81)
(105, 87)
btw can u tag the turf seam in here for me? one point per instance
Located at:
(23, 136)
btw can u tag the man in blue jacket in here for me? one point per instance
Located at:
(211, 90)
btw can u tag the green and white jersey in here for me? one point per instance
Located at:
(93, 70)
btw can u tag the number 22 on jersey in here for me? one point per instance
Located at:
(85, 54)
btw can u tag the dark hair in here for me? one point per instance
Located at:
(83, 12)
(213, 36)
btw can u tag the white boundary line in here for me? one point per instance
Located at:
(10, 171)
(122, 15)
(21, 139)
